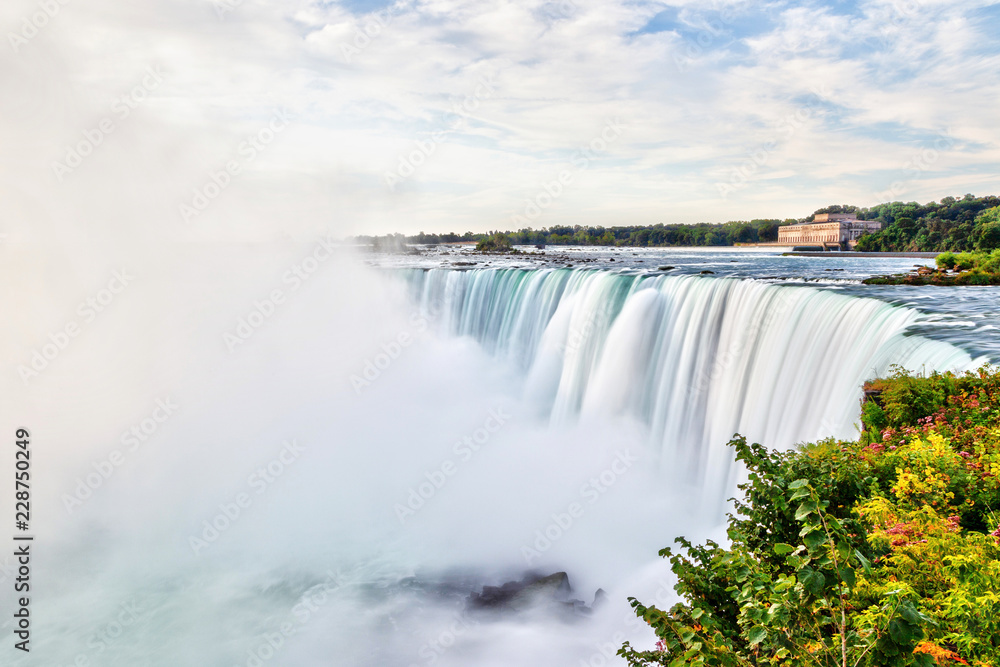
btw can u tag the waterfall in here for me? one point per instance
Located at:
(696, 359)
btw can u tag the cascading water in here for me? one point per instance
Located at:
(696, 359)
(602, 360)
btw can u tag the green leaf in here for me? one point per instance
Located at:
(805, 509)
(812, 580)
(783, 549)
(757, 635)
(865, 563)
(814, 539)
(798, 484)
(909, 613)
(899, 632)
(847, 576)
(784, 584)
(697, 612)
(887, 647)
(800, 493)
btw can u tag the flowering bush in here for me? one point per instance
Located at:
(880, 552)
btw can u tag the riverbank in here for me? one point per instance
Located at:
(938, 278)
(851, 253)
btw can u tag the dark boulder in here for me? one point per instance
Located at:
(551, 591)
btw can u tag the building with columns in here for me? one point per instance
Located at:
(828, 230)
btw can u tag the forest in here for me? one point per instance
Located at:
(969, 223)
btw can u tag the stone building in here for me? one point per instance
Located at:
(828, 230)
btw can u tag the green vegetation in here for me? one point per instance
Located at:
(967, 268)
(987, 262)
(702, 234)
(969, 223)
(884, 551)
(497, 242)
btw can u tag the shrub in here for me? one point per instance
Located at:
(880, 552)
(965, 261)
(973, 277)
(945, 260)
(496, 242)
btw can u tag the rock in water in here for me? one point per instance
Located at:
(551, 591)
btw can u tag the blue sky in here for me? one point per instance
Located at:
(443, 115)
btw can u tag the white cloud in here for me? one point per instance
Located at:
(698, 98)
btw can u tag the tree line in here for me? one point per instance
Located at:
(969, 223)
(658, 235)
(957, 224)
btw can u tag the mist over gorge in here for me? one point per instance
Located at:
(280, 391)
(527, 421)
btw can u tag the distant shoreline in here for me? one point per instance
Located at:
(848, 253)
(791, 253)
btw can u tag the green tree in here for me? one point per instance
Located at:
(986, 233)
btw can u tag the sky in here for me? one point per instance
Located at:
(243, 120)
